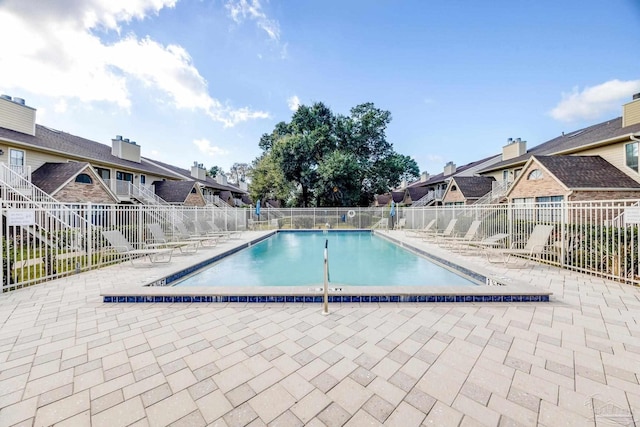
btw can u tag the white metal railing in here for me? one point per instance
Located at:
(498, 191)
(216, 201)
(120, 187)
(429, 197)
(147, 195)
(585, 236)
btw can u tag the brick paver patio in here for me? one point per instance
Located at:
(68, 359)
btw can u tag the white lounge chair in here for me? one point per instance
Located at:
(454, 241)
(535, 245)
(419, 232)
(231, 234)
(203, 228)
(447, 232)
(122, 247)
(160, 240)
(184, 234)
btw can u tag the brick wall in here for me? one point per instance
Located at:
(194, 199)
(453, 196)
(603, 195)
(547, 186)
(79, 192)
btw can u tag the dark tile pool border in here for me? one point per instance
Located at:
(318, 299)
(161, 290)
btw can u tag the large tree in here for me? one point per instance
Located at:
(239, 173)
(268, 181)
(336, 161)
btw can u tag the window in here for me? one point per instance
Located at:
(124, 176)
(516, 173)
(535, 175)
(193, 190)
(105, 174)
(454, 188)
(631, 155)
(549, 208)
(523, 208)
(143, 179)
(83, 178)
(505, 175)
(16, 161)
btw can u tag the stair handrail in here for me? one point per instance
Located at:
(147, 194)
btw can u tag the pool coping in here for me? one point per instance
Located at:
(495, 289)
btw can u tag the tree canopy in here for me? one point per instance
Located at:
(322, 159)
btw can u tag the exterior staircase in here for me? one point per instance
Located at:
(17, 191)
(428, 198)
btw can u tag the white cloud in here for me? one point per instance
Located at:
(293, 103)
(594, 101)
(252, 9)
(204, 145)
(61, 56)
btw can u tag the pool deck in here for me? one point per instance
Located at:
(68, 358)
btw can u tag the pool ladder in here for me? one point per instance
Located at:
(325, 298)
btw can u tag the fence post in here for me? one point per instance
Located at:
(90, 227)
(3, 236)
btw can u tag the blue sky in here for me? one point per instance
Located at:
(202, 80)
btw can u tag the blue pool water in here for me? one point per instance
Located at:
(297, 259)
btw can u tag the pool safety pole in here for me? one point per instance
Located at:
(325, 309)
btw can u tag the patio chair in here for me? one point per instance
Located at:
(402, 223)
(232, 234)
(535, 245)
(447, 232)
(184, 234)
(494, 241)
(453, 241)
(121, 245)
(418, 232)
(204, 228)
(159, 240)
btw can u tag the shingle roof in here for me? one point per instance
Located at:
(417, 193)
(173, 191)
(383, 199)
(586, 172)
(573, 140)
(441, 177)
(71, 145)
(51, 176)
(474, 187)
(398, 196)
(209, 181)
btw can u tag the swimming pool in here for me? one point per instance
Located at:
(291, 258)
(492, 288)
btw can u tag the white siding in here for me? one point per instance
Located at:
(19, 118)
(614, 154)
(631, 113)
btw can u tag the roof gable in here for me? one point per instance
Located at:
(174, 191)
(586, 172)
(51, 176)
(473, 187)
